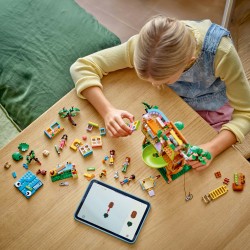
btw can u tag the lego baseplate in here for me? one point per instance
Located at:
(28, 184)
(185, 169)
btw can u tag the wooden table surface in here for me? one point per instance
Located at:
(45, 221)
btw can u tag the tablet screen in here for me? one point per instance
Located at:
(112, 210)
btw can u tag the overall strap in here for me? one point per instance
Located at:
(213, 38)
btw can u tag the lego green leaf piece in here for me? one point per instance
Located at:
(23, 147)
(17, 156)
(179, 125)
(207, 155)
(159, 133)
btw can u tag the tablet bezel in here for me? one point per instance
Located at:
(106, 230)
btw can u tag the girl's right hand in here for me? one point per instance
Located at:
(115, 124)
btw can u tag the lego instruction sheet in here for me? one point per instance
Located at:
(113, 211)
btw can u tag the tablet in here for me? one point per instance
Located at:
(112, 211)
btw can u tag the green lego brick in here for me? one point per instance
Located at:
(64, 175)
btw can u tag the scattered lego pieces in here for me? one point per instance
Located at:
(7, 165)
(125, 164)
(69, 113)
(64, 183)
(54, 129)
(23, 147)
(189, 197)
(148, 184)
(226, 181)
(89, 176)
(239, 182)
(90, 169)
(42, 172)
(127, 180)
(25, 166)
(105, 159)
(63, 171)
(13, 174)
(103, 173)
(134, 125)
(85, 150)
(91, 125)
(28, 184)
(57, 150)
(102, 131)
(96, 141)
(217, 174)
(84, 137)
(45, 153)
(17, 156)
(31, 156)
(116, 175)
(216, 193)
(76, 144)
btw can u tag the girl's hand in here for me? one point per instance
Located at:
(197, 165)
(115, 124)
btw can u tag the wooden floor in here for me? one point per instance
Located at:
(126, 17)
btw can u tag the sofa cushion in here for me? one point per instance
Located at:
(39, 42)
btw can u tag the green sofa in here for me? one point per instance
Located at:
(40, 40)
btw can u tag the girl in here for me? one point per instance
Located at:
(196, 59)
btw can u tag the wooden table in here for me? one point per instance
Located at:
(45, 221)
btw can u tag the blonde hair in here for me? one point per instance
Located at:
(165, 45)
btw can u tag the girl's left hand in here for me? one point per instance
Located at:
(197, 165)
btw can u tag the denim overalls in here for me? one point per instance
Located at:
(198, 86)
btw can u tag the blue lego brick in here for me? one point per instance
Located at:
(28, 184)
(88, 153)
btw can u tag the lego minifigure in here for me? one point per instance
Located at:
(63, 141)
(125, 164)
(112, 157)
(127, 180)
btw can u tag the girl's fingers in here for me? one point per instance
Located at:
(116, 130)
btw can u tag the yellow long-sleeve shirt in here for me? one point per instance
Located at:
(88, 71)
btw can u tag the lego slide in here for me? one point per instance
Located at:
(149, 156)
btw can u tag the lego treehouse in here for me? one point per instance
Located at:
(164, 146)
